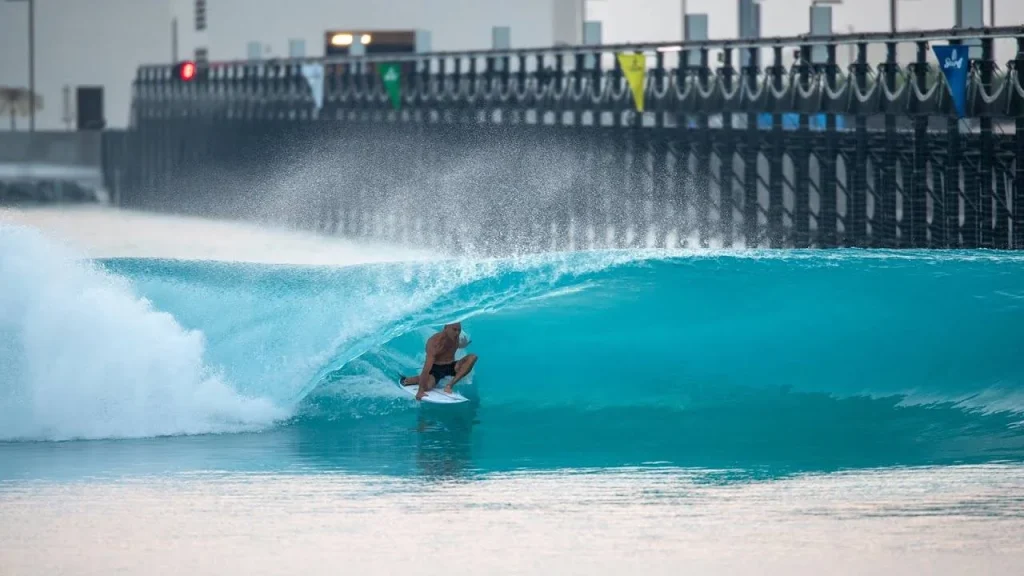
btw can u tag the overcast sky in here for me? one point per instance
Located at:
(81, 42)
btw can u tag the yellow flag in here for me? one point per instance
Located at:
(634, 66)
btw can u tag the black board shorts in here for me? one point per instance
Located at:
(439, 371)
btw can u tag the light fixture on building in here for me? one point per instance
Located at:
(343, 39)
(358, 43)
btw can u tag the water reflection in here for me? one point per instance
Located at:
(447, 443)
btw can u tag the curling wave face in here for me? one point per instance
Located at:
(858, 358)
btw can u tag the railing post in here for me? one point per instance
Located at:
(886, 232)
(918, 182)
(469, 115)
(952, 194)
(994, 214)
(804, 149)
(827, 222)
(858, 216)
(704, 159)
(659, 162)
(775, 198)
(726, 151)
(751, 148)
(1018, 180)
(682, 194)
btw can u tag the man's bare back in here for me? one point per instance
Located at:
(440, 361)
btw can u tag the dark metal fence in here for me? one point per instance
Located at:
(544, 149)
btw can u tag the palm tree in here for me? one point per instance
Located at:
(18, 102)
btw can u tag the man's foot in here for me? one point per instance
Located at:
(448, 389)
(402, 379)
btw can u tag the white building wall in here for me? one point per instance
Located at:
(626, 21)
(567, 22)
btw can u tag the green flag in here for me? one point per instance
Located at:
(391, 74)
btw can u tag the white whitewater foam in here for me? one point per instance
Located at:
(82, 356)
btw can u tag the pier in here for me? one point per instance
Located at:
(569, 147)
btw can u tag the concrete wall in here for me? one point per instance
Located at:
(40, 166)
(81, 149)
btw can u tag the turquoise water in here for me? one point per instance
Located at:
(766, 364)
(841, 412)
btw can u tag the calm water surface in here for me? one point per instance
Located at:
(949, 520)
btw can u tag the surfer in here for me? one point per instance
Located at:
(441, 362)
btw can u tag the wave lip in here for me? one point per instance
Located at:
(83, 357)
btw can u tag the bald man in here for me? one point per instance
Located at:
(440, 361)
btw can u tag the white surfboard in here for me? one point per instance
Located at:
(437, 395)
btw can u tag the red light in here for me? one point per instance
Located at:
(187, 71)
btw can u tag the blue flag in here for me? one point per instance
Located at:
(953, 61)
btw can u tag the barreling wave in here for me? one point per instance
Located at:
(731, 349)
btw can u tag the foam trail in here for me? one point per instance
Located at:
(82, 356)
